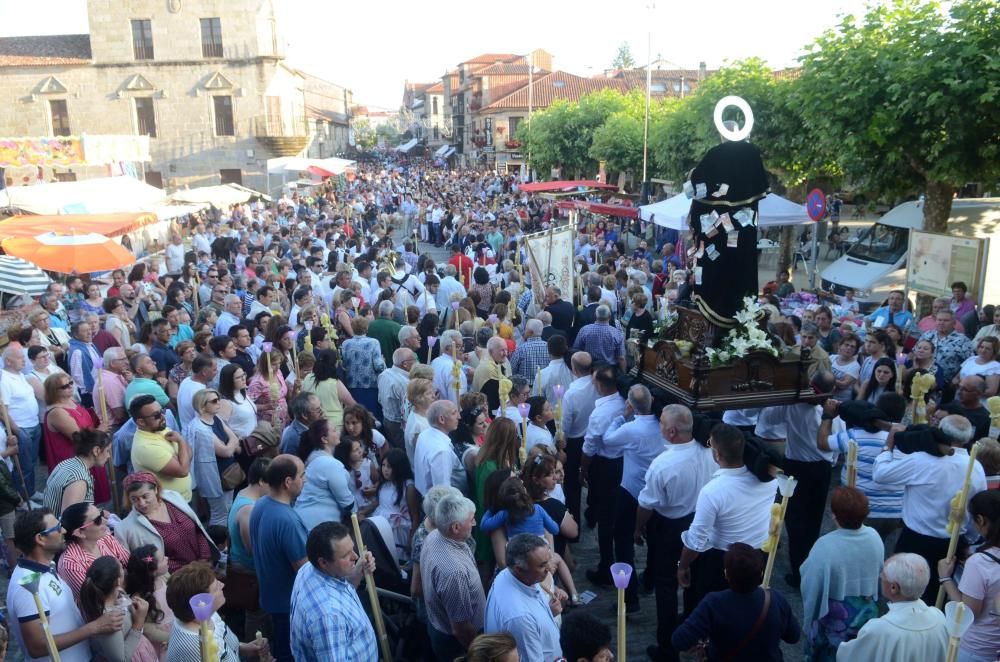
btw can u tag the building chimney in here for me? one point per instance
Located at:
(702, 71)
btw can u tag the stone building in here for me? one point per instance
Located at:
(205, 79)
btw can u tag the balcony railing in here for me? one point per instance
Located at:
(271, 126)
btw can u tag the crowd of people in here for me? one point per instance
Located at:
(212, 421)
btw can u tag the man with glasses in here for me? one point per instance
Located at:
(40, 538)
(135, 307)
(158, 449)
(392, 385)
(306, 409)
(209, 284)
(233, 309)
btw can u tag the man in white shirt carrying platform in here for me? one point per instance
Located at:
(601, 468)
(636, 434)
(929, 484)
(732, 507)
(666, 508)
(578, 402)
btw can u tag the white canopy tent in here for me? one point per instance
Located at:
(774, 210)
(220, 197)
(104, 195)
(407, 146)
(297, 164)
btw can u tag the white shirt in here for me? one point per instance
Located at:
(771, 424)
(433, 459)
(444, 380)
(802, 427)
(910, 631)
(732, 507)
(201, 243)
(638, 441)
(449, 286)
(538, 435)
(392, 385)
(578, 402)
(929, 484)
(740, 417)
(174, 254)
(415, 424)
(675, 478)
(556, 372)
(524, 612)
(58, 603)
(19, 397)
(605, 410)
(513, 414)
(185, 401)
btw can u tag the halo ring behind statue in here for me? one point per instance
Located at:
(741, 133)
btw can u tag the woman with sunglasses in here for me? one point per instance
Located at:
(87, 539)
(213, 447)
(63, 418)
(163, 518)
(71, 481)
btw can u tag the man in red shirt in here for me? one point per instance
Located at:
(463, 264)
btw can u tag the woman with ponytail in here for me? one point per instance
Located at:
(146, 577)
(102, 592)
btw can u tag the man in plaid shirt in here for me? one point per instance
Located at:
(532, 355)
(327, 619)
(604, 343)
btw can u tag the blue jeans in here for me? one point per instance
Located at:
(28, 440)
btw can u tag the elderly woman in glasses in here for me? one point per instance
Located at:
(213, 447)
(163, 518)
(64, 417)
(56, 340)
(87, 539)
(71, 481)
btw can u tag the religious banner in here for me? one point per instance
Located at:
(550, 256)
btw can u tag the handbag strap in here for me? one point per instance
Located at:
(731, 654)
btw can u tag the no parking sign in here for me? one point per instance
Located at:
(816, 204)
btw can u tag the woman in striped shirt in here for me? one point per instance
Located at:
(71, 480)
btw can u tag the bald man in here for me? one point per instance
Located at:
(489, 371)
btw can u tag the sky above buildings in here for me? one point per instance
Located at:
(372, 46)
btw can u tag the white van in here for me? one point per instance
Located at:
(876, 264)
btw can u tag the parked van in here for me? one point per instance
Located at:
(876, 263)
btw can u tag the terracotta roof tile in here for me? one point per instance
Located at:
(555, 85)
(505, 69)
(436, 88)
(45, 50)
(490, 58)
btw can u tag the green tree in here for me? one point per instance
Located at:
(561, 135)
(623, 58)
(619, 140)
(387, 131)
(907, 98)
(364, 134)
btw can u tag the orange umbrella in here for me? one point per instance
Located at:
(70, 251)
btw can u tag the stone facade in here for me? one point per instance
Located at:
(111, 89)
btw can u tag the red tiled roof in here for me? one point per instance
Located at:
(555, 85)
(490, 58)
(505, 69)
(436, 88)
(43, 51)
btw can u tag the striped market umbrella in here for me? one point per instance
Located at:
(71, 251)
(20, 277)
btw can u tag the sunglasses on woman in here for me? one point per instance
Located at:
(97, 521)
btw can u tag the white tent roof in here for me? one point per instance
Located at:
(407, 146)
(297, 164)
(219, 197)
(105, 195)
(774, 210)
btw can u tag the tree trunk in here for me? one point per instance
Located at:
(787, 248)
(937, 206)
(937, 209)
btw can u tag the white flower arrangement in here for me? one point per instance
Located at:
(745, 338)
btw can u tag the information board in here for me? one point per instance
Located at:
(935, 261)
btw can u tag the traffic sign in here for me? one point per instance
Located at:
(816, 204)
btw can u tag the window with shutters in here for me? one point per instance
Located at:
(211, 37)
(142, 39)
(145, 118)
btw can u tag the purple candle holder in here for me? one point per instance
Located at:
(621, 573)
(523, 410)
(202, 605)
(267, 347)
(559, 391)
(454, 305)
(431, 341)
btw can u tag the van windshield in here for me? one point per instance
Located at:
(880, 243)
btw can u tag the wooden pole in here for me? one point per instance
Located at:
(852, 463)
(621, 624)
(786, 487)
(957, 516)
(383, 639)
(17, 460)
(49, 639)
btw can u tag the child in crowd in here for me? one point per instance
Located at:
(364, 477)
(397, 498)
(146, 577)
(359, 425)
(519, 514)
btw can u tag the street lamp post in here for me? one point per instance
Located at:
(531, 78)
(644, 192)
